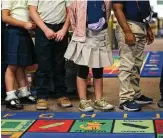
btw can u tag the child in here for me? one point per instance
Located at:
(88, 48)
(19, 51)
(132, 33)
(51, 40)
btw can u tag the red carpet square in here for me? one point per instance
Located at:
(159, 126)
(51, 126)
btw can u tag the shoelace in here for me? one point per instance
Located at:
(88, 102)
(132, 101)
(103, 101)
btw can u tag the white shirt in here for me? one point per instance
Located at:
(51, 11)
(18, 9)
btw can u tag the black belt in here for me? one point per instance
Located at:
(55, 26)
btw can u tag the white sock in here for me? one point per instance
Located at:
(83, 100)
(23, 92)
(11, 95)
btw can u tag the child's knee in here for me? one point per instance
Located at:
(97, 73)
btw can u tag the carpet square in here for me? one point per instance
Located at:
(160, 136)
(159, 126)
(51, 126)
(94, 126)
(15, 125)
(133, 126)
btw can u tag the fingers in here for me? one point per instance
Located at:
(131, 42)
(150, 38)
(52, 36)
(59, 38)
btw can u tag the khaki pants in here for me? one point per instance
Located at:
(131, 59)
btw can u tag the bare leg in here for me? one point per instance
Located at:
(21, 78)
(98, 87)
(82, 86)
(10, 77)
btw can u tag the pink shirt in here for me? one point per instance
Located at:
(78, 17)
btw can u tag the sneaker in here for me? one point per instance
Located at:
(85, 106)
(160, 103)
(64, 102)
(143, 100)
(130, 106)
(103, 105)
(42, 104)
(14, 104)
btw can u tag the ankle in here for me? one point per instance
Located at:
(11, 95)
(23, 92)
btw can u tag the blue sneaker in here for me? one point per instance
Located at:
(130, 106)
(143, 100)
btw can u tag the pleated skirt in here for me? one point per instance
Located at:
(18, 47)
(95, 52)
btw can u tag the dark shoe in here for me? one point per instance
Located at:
(130, 106)
(143, 100)
(29, 99)
(14, 104)
(160, 103)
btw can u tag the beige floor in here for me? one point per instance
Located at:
(150, 87)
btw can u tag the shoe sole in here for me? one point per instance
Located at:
(41, 108)
(141, 102)
(65, 106)
(14, 108)
(103, 108)
(128, 109)
(85, 110)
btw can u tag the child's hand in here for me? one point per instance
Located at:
(50, 34)
(60, 35)
(29, 25)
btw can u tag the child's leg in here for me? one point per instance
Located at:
(98, 82)
(10, 78)
(82, 74)
(21, 78)
(12, 101)
(100, 102)
(22, 83)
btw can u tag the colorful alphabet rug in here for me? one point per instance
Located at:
(82, 125)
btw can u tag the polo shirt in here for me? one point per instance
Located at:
(51, 11)
(18, 9)
(132, 12)
(95, 11)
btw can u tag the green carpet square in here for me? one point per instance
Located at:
(160, 136)
(92, 126)
(133, 126)
(15, 125)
